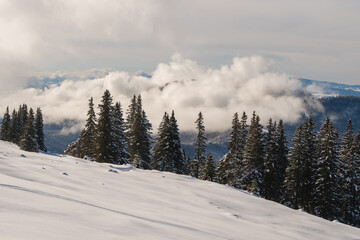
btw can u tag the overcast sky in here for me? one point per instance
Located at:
(311, 39)
(244, 55)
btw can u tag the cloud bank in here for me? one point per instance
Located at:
(181, 85)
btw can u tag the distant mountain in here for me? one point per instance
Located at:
(326, 89)
(55, 141)
(44, 80)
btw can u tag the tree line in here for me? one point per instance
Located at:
(317, 172)
(24, 128)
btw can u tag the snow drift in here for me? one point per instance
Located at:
(59, 197)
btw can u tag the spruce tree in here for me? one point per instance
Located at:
(5, 126)
(161, 159)
(167, 154)
(187, 162)
(347, 141)
(271, 186)
(282, 161)
(39, 126)
(85, 145)
(299, 181)
(74, 149)
(236, 145)
(139, 138)
(146, 142)
(223, 170)
(131, 113)
(175, 146)
(23, 115)
(130, 116)
(253, 157)
(207, 172)
(105, 150)
(352, 197)
(328, 180)
(243, 132)
(229, 167)
(28, 140)
(119, 136)
(87, 139)
(292, 195)
(350, 154)
(347, 157)
(200, 147)
(14, 131)
(309, 139)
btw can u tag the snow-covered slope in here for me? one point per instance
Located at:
(54, 197)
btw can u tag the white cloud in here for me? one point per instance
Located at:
(184, 86)
(312, 39)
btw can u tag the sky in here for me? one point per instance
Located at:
(312, 39)
(242, 40)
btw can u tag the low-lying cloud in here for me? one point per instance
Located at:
(184, 86)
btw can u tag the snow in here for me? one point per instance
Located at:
(44, 196)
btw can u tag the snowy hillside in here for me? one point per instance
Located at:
(54, 197)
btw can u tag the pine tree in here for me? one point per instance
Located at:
(14, 131)
(229, 167)
(175, 146)
(299, 181)
(85, 145)
(292, 195)
(347, 156)
(28, 139)
(5, 126)
(352, 197)
(350, 157)
(119, 136)
(207, 172)
(161, 159)
(105, 146)
(87, 137)
(139, 138)
(309, 139)
(130, 116)
(39, 126)
(200, 147)
(282, 161)
(243, 132)
(271, 186)
(23, 115)
(131, 113)
(327, 186)
(223, 170)
(167, 154)
(188, 164)
(145, 143)
(74, 149)
(254, 157)
(347, 141)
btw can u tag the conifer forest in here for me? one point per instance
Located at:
(317, 172)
